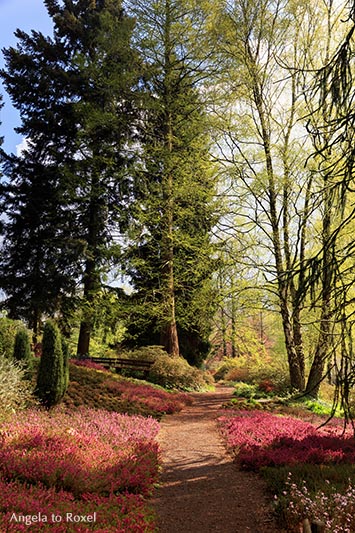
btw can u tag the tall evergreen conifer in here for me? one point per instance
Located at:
(170, 261)
(75, 94)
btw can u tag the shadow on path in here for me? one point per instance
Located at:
(201, 489)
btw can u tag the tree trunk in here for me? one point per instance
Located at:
(295, 365)
(86, 323)
(322, 351)
(324, 336)
(295, 368)
(169, 334)
(233, 319)
(91, 275)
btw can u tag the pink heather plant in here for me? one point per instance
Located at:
(88, 363)
(84, 451)
(262, 439)
(336, 511)
(121, 513)
(158, 400)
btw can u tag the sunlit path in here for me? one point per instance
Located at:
(201, 489)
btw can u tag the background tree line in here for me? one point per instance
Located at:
(201, 149)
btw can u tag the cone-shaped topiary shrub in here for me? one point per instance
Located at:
(22, 347)
(22, 350)
(51, 381)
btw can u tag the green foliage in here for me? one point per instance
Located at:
(245, 390)
(22, 350)
(319, 407)
(51, 379)
(8, 331)
(269, 374)
(22, 347)
(15, 392)
(244, 404)
(173, 372)
(150, 353)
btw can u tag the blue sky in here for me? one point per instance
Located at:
(27, 15)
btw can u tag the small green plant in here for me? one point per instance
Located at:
(322, 408)
(51, 380)
(245, 390)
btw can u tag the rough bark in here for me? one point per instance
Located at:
(295, 365)
(169, 335)
(323, 345)
(91, 276)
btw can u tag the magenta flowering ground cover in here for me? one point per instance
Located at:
(88, 363)
(262, 439)
(77, 462)
(158, 400)
(36, 509)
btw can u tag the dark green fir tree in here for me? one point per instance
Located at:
(76, 94)
(171, 260)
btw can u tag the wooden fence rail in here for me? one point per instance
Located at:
(119, 363)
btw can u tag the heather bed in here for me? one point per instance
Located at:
(94, 457)
(77, 462)
(93, 386)
(310, 469)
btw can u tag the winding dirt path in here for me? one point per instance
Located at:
(202, 490)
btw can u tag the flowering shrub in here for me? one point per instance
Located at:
(257, 368)
(335, 510)
(76, 461)
(158, 400)
(175, 372)
(262, 439)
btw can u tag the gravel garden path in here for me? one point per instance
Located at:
(201, 489)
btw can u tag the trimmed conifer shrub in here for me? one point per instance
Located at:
(51, 382)
(22, 347)
(22, 351)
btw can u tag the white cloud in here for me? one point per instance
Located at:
(22, 146)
